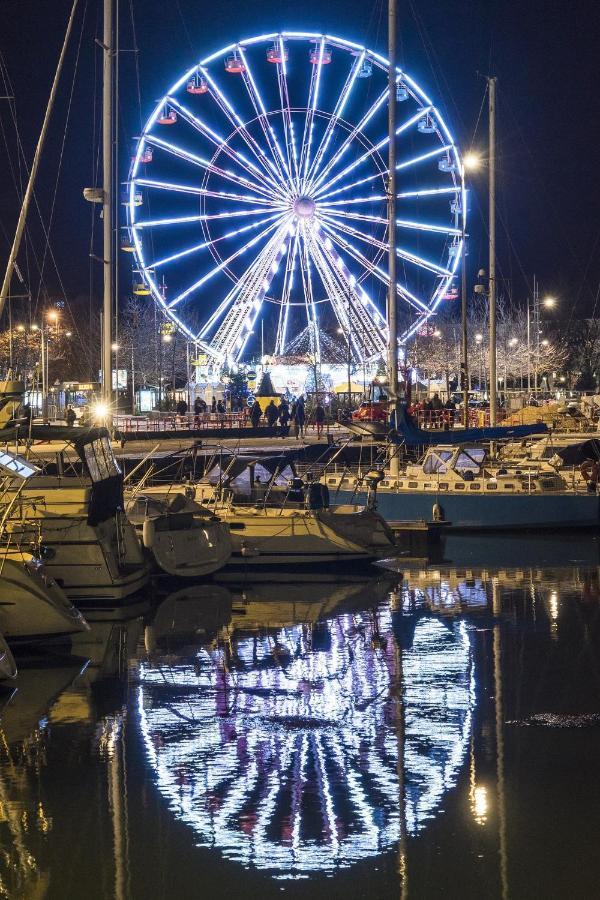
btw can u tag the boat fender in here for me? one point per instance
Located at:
(248, 552)
(590, 470)
(317, 496)
(150, 642)
(437, 513)
(148, 532)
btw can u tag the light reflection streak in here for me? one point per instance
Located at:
(281, 750)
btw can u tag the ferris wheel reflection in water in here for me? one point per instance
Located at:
(288, 752)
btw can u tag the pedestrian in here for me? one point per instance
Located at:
(70, 416)
(255, 414)
(213, 405)
(181, 408)
(319, 419)
(271, 414)
(284, 417)
(300, 415)
(220, 407)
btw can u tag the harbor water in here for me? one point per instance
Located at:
(420, 730)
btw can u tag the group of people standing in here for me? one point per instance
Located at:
(287, 417)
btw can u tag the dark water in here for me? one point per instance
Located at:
(397, 735)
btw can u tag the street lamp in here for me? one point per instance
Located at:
(472, 161)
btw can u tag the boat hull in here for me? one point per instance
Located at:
(271, 537)
(527, 511)
(32, 605)
(86, 560)
(192, 552)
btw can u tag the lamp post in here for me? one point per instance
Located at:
(471, 163)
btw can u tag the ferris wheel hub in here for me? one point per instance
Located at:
(304, 207)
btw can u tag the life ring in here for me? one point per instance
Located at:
(590, 469)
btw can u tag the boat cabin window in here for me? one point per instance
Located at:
(13, 464)
(470, 460)
(100, 460)
(436, 462)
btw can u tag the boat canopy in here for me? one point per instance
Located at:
(409, 433)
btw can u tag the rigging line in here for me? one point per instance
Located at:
(61, 154)
(43, 226)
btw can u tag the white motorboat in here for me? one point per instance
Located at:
(32, 605)
(184, 538)
(8, 667)
(275, 520)
(92, 550)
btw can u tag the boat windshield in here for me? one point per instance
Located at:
(100, 459)
(436, 462)
(470, 460)
(15, 465)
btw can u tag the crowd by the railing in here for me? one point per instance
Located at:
(448, 416)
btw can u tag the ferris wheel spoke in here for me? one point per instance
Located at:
(238, 324)
(261, 112)
(211, 243)
(220, 142)
(286, 114)
(309, 297)
(381, 100)
(406, 255)
(208, 217)
(202, 163)
(337, 113)
(381, 175)
(270, 170)
(423, 157)
(372, 198)
(200, 192)
(313, 99)
(370, 152)
(288, 284)
(355, 216)
(375, 270)
(356, 313)
(220, 266)
(429, 227)
(428, 192)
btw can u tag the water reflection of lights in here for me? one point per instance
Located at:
(553, 610)
(282, 750)
(480, 805)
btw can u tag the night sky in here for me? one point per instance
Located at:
(544, 54)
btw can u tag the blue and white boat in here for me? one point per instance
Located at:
(461, 487)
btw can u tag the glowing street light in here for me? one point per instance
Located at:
(549, 302)
(471, 161)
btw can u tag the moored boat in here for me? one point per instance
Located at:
(184, 538)
(461, 487)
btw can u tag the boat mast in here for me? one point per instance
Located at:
(492, 214)
(14, 250)
(107, 201)
(392, 304)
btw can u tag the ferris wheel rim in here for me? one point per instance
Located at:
(458, 189)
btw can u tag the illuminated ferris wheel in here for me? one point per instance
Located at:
(257, 194)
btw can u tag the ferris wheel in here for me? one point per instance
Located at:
(257, 199)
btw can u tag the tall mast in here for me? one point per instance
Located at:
(107, 200)
(392, 302)
(14, 250)
(492, 264)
